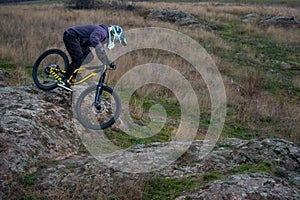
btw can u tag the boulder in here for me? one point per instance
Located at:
(280, 21)
(245, 186)
(250, 17)
(33, 129)
(180, 18)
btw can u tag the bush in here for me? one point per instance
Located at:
(84, 4)
(96, 4)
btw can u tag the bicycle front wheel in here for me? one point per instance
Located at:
(93, 118)
(53, 58)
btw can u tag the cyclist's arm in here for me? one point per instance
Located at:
(102, 54)
(95, 39)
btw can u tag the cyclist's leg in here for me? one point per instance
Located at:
(74, 49)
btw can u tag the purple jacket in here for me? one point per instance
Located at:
(90, 35)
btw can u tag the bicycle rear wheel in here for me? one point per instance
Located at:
(40, 73)
(95, 119)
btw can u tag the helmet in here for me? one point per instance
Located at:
(116, 34)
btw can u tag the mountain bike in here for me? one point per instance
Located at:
(97, 107)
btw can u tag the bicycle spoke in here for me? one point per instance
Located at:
(53, 58)
(94, 117)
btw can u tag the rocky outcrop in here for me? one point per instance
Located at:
(267, 169)
(245, 186)
(33, 129)
(42, 157)
(180, 18)
(250, 17)
(280, 21)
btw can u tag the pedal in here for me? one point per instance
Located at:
(73, 80)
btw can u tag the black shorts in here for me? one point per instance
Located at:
(75, 50)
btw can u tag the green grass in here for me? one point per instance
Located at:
(253, 44)
(260, 58)
(238, 130)
(167, 188)
(160, 188)
(30, 197)
(139, 111)
(7, 65)
(18, 74)
(225, 145)
(170, 188)
(212, 176)
(28, 179)
(263, 166)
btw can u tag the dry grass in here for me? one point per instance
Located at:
(234, 12)
(281, 35)
(42, 26)
(28, 30)
(269, 115)
(211, 9)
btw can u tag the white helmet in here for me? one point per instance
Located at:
(116, 34)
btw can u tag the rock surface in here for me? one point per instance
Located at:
(267, 169)
(180, 18)
(245, 186)
(280, 21)
(250, 17)
(33, 129)
(42, 157)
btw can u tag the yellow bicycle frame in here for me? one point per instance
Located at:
(90, 75)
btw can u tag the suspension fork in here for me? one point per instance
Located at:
(99, 90)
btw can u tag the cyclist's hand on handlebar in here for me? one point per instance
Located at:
(112, 66)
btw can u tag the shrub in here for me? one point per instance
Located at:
(84, 4)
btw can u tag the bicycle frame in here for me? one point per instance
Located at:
(99, 89)
(93, 73)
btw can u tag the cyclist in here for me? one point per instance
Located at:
(79, 39)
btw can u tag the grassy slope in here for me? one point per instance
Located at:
(263, 95)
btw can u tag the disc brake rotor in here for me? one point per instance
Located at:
(100, 111)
